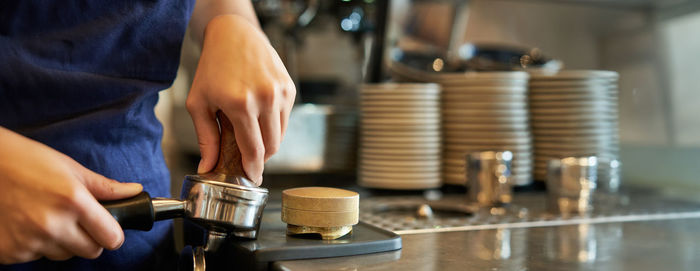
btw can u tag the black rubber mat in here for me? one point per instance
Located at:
(274, 245)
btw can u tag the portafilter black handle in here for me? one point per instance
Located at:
(141, 211)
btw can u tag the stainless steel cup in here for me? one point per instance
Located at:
(609, 178)
(571, 182)
(489, 177)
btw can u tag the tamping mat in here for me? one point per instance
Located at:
(273, 244)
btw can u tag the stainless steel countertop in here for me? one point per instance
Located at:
(649, 231)
(646, 245)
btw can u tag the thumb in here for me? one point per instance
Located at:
(103, 188)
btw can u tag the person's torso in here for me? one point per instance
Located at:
(83, 77)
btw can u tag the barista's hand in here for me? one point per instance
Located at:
(240, 74)
(48, 206)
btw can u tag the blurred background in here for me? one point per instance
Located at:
(332, 47)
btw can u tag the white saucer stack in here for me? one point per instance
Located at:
(574, 113)
(400, 138)
(485, 111)
(341, 140)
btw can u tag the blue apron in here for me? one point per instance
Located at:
(83, 77)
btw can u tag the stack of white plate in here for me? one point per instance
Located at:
(574, 113)
(400, 136)
(484, 111)
(340, 153)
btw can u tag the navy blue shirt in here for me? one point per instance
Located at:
(83, 77)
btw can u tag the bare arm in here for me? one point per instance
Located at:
(206, 10)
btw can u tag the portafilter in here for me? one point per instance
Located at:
(224, 201)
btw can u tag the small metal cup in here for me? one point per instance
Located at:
(609, 176)
(489, 178)
(571, 182)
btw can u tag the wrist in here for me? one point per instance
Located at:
(233, 24)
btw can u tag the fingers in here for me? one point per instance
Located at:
(21, 257)
(289, 95)
(104, 188)
(76, 241)
(98, 223)
(271, 130)
(72, 241)
(284, 120)
(54, 251)
(207, 134)
(249, 139)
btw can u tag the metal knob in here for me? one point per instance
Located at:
(571, 182)
(489, 178)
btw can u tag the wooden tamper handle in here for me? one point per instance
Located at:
(230, 162)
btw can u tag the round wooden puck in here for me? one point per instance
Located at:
(320, 207)
(323, 199)
(319, 219)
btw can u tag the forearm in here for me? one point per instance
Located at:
(206, 10)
